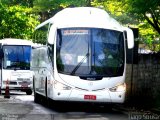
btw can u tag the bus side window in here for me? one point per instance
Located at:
(41, 34)
(1, 52)
(0, 63)
(35, 58)
(51, 53)
(41, 58)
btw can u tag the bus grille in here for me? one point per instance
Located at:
(81, 89)
(12, 83)
(99, 89)
(23, 79)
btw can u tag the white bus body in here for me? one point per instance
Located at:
(15, 64)
(94, 44)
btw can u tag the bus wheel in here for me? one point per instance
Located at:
(36, 99)
(46, 97)
(29, 92)
(107, 107)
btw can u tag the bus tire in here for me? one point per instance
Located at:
(46, 95)
(36, 100)
(108, 107)
(29, 92)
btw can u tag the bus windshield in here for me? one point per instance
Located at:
(17, 57)
(90, 52)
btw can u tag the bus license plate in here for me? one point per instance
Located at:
(90, 97)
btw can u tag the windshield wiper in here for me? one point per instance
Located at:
(79, 64)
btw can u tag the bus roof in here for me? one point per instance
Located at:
(83, 17)
(13, 41)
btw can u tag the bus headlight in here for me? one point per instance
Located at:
(60, 86)
(118, 88)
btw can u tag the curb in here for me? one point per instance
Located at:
(156, 110)
(122, 109)
(2, 99)
(128, 109)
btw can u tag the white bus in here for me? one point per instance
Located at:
(15, 60)
(84, 59)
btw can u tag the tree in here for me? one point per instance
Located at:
(146, 10)
(136, 13)
(47, 9)
(148, 15)
(116, 9)
(17, 22)
(26, 3)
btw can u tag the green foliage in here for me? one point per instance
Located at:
(18, 19)
(17, 22)
(148, 14)
(117, 9)
(48, 8)
(48, 5)
(146, 10)
(26, 3)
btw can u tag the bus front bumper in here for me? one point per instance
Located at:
(102, 96)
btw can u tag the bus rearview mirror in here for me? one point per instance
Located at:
(129, 37)
(52, 35)
(1, 53)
